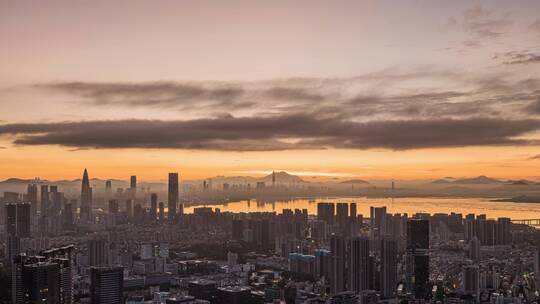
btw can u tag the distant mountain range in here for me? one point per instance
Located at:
(480, 180)
(355, 181)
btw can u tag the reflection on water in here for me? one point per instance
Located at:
(397, 205)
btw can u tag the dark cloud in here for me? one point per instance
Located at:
(274, 133)
(152, 94)
(516, 57)
(375, 96)
(533, 108)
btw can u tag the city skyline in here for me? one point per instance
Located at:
(378, 90)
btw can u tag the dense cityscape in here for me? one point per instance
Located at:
(134, 247)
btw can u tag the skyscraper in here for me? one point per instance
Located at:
(32, 197)
(133, 186)
(106, 285)
(153, 206)
(97, 254)
(173, 195)
(359, 264)
(86, 198)
(388, 268)
(338, 277)
(41, 282)
(417, 257)
(161, 214)
(18, 220)
(44, 200)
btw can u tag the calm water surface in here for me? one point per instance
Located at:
(397, 205)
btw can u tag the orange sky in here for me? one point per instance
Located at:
(367, 89)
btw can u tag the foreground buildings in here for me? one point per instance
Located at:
(131, 250)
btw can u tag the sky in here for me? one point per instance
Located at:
(368, 89)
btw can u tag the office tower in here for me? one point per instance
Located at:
(106, 285)
(13, 248)
(378, 221)
(32, 197)
(417, 234)
(161, 214)
(41, 283)
(108, 190)
(129, 208)
(503, 231)
(113, 206)
(67, 216)
(44, 199)
(342, 216)
(420, 275)
(471, 281)
(417, 258)
(359, 264)
(86, 198)
(474, 249)
(11, 219)
(18, 217)
(97, 252)
(24, 220)
(388, 268)
(173, 195)
(322, 262)
(133, 186)
(57, 199)
(353, 212)
(338, 275)
(133, 182)
(153, 206)
(237, 229)
(325, 212)
(490, 231)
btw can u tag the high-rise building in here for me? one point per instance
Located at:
(338, 273)
(359, 264)
(503, 231)
(24, 220)
(378, 221)
(388, 268)
(18, 219)
(133, 186)
(471, 281)
(106, 285)
(44, 200)
(11, 219)
(417, 234)
(32, 198)
(41, 282)
(172, 195)
(153, 206)
(113, 206)
(129, 208)
(86, 198)
(97, 252)
(67, 216)
(161, 214)
(474, 249)
(43, 279)
(417, 257)
(108, 190)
